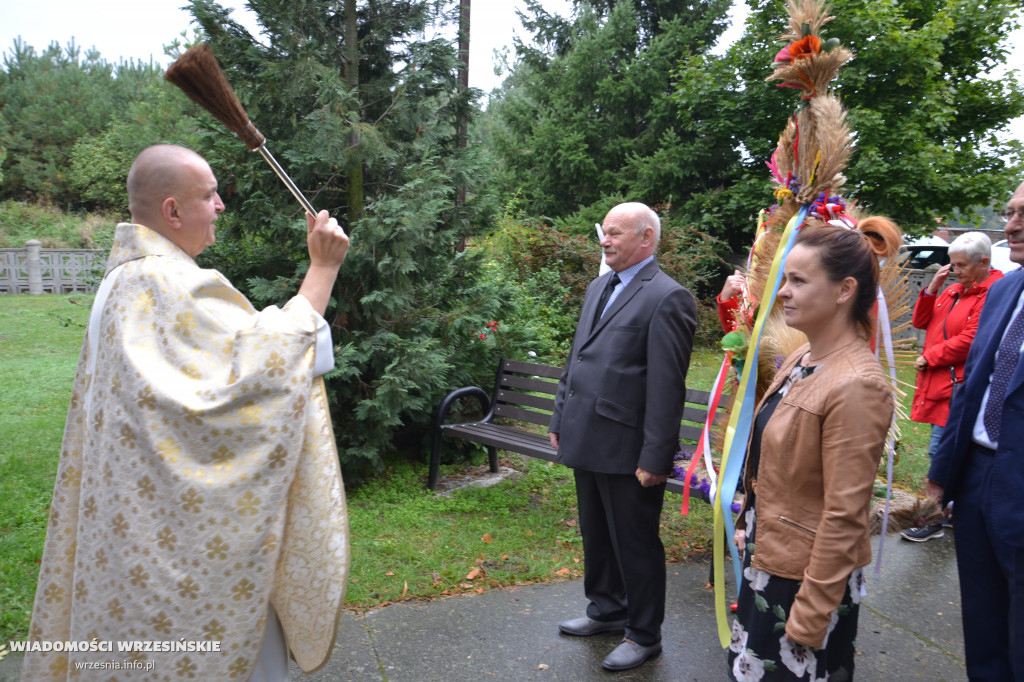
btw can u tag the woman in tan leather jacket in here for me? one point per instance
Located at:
(811, 462)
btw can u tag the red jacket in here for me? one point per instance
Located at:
(728, 310)
(958, 310)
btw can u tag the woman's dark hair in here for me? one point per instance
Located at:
(855, 253)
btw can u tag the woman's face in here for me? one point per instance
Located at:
(966, 271)
(810, 300)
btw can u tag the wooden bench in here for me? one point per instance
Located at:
(524, 392)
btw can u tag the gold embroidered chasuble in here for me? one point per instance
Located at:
(198, 480)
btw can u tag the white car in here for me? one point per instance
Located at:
(1001, 257)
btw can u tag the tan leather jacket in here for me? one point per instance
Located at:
(819, 455)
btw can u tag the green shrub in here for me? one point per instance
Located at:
(546, 270)
(21, 221)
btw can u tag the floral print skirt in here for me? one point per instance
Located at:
(760, 649)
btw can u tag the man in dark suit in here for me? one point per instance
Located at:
(616, 423)
(979, 467)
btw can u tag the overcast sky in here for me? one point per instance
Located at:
(138, 29)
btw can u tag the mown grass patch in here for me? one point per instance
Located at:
(41, 337)
(407, 542)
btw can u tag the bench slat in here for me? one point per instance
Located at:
(529, 384)
(535, 401)
(531, 368)
(697, 396)
(690, 433)
(504, 437)
(513, 412)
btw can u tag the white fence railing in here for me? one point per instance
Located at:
(35, 270)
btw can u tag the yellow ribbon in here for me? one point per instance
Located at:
(748, 382)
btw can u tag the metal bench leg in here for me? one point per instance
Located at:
(435, 459)
(492, 454)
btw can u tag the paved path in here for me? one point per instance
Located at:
(909, 630)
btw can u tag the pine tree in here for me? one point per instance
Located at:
(51, 100)
(588, 113)
(409, 305)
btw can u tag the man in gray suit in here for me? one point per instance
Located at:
(616, 423)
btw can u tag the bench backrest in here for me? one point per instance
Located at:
(525, 392)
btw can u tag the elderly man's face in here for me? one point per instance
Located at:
(623, 246)
(1015, 227)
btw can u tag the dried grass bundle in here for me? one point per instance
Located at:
(811, 12)
(812, 73)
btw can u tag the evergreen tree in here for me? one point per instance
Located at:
(923, 105)
(589, 114)
(51, 100)
(410, 305)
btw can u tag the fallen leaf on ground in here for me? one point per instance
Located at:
(562, 571)
(487, 538)
(473, 574)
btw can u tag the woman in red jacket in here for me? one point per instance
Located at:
(729, 302)
(950, 320)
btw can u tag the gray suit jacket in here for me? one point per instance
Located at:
(620, 397)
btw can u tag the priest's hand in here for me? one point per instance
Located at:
(327, 242)
(328, 245)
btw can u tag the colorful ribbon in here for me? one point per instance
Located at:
(737, 433)
(885, 340)
(704, 443)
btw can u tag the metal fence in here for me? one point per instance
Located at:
(35, 270)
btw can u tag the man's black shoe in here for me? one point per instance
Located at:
(585, 626)
(629, 654)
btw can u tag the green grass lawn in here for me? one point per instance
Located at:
(407, 542)
(40, 337)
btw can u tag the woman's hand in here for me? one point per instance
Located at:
(734, 284)
(740, 538)
(939, 279)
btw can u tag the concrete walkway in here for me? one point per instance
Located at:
(909, 630)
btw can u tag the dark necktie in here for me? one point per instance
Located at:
(1009, 350)
(603, 301)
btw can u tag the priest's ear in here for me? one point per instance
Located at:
(170, 212)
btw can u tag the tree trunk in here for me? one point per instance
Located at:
(354, 167)
(462, 132)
